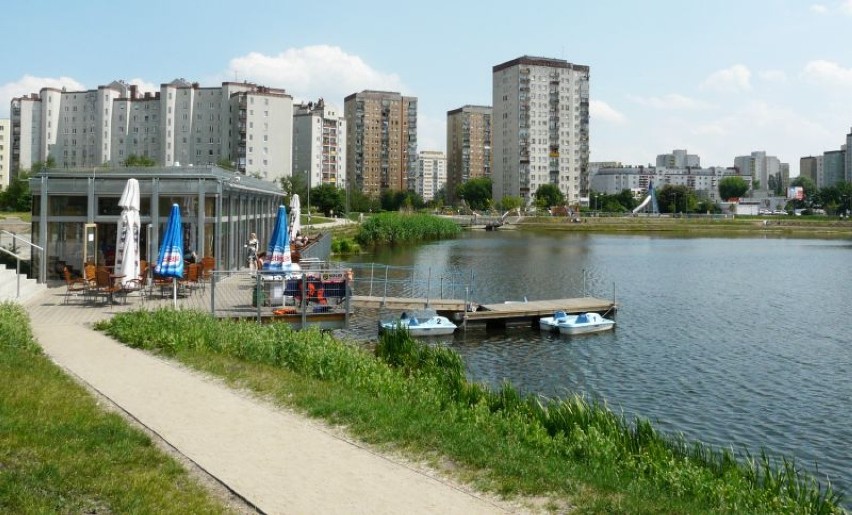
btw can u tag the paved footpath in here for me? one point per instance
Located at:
(276, 460)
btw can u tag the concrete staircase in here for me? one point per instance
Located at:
(9, 286)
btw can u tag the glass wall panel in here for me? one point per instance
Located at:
(67, 205)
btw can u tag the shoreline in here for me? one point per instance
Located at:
(742, 226)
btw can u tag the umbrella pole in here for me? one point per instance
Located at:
(174, 290)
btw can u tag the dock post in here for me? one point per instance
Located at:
(464, 312)
(385, 296)
(428, 286)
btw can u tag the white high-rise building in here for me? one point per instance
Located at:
(5, 151)
(760, 167)
(848, 156)
(319, 143)
(678, 159)
(431, 174)
(540, 127)
(249, 126)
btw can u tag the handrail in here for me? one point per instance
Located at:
(41, 277)
(18, 270)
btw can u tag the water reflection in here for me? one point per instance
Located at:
(735, 342)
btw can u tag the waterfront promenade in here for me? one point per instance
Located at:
(272, 459)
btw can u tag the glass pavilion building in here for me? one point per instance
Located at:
(76, 212)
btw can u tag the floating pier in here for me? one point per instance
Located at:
(491, 315)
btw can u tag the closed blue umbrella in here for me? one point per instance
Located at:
(170, 261)
(278, 258)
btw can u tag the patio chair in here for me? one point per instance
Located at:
(106, 285)
(139, 284)
(192, 277)
(74, 285)
(208, 264)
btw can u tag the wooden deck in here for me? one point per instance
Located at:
(363, 301)
(530, 312)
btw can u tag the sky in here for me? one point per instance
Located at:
(720, 79)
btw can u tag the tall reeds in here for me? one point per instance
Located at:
(399, 227)
(523, 439)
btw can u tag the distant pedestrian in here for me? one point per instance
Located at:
(251, 247)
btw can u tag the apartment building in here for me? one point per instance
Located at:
(812, 168)
(247, 125)
(763, 169)
(540, 127)
(468, 146)
(679, 158)
(431, 174)
(704, 181)
(381, 141)
(5, 151)
(319, 143)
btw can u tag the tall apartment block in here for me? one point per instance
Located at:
(678, 159)
(381, 141)
(761, 167)
(468, 146)
(540, 127)
(431, 174)
(248, 125)
(848, 150)
(5, 151)
(812, 168)
(319, 143)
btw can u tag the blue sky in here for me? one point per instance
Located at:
(720, 79)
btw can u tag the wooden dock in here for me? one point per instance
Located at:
(407, 303)
(491, 314)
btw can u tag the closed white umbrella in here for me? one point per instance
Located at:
(296, 212)
(127, 236)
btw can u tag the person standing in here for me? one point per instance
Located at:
(251, 252)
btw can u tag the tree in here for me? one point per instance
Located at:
(359, 202)
(476, 193)
(732, 186)
(548, 195)
(676, 199)
(225, 163)
(401, 199)
(812, 195)
(626, 199)
(510, 202)
(327, 198)
(17, 197)
(140, 161)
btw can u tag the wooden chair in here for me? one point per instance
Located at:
(74, 285)
(192, 277)
(139, 284)
(106, 285)
(208, 264)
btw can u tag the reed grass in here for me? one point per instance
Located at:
(400, 227)
(61, 453)
(417, 397)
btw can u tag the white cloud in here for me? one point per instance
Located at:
(144, 86)
(29, 84)
(602, 111)
(772, 76)
(819, 8)
(670, 101)
(431, 133)
(735, 79)
(312, 72)
(829, 73)
(846, 7)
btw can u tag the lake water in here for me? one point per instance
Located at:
(736, 342)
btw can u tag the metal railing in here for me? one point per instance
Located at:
(379, 280)
(40, 273)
